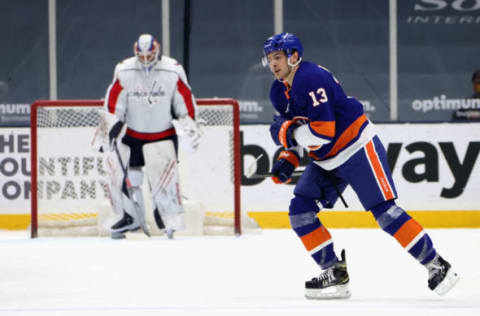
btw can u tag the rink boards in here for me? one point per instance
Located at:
(435, 169)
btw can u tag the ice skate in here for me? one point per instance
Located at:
(170, 232)
(332, 283)
(125, 224)
(441, 277)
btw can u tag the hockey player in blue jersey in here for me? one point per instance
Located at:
(313, 113)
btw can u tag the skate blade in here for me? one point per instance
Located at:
(448, 283)
(334, 292)
(138, 235)
(116, 235)
(131, 227)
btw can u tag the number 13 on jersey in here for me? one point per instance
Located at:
(322, 96)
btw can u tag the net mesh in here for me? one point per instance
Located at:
(68, 117)
(71, 178)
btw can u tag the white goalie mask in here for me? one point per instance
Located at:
(147, 50)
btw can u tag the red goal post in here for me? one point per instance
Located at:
(51, 119)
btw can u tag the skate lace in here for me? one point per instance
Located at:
(327, 275)
(434, 268)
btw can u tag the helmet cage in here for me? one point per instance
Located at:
(147, 50)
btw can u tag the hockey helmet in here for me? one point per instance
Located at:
(147, 50)
(285, 42)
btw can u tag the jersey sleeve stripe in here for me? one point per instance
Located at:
(187, 97)
(282, 133)
(113, 96)
(324, 129)
(348, 135)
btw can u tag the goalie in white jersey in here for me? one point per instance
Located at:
(148, 103)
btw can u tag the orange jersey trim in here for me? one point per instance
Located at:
(383, 182)
(325, 128)
(316, 238)
(290, 157)
(350, 133)
(282, 133)
(287, 91)
(408, 232)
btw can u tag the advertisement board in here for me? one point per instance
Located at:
(435, 168)
(437, 54)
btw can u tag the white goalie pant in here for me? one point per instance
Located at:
(162, 172)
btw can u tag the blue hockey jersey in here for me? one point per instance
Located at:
(338, 120)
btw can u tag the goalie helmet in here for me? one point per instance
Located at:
(147, 50)
(286, 42)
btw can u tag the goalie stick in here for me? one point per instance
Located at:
(126, 188)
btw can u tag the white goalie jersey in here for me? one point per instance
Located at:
(148, 101)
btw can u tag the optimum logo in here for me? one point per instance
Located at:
(250, 110)
(15, 109)
(443, 104)
(14, 113)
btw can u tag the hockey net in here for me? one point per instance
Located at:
(70, 194)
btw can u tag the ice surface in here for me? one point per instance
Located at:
(251, 275)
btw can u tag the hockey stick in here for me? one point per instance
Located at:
(269, 174)
(126, 188)
(252, 174)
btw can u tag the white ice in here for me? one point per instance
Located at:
(251, 275)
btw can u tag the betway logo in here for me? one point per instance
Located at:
(457, 5)
(426, 169)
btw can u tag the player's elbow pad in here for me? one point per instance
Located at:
(306, 139)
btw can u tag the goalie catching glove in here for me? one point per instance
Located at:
(283, 168)
(189, 131)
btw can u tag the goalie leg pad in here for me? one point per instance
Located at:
(118, 199)
(162, 172)
(135, 176)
